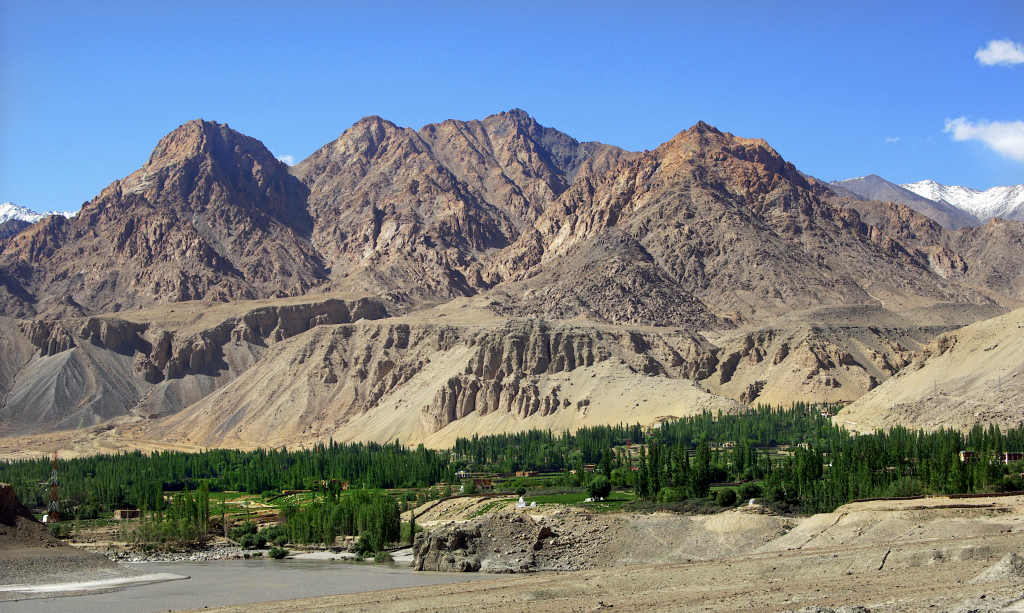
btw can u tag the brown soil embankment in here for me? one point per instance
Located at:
(30, 555)
(888, 556)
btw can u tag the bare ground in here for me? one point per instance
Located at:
(887, 556)
(766, 582)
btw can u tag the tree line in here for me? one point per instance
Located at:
(792, 454)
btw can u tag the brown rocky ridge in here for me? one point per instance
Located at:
(469, 276)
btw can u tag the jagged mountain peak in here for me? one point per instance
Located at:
(211, 215)
(704, 139)
(874, 187)
(701, 127)
(1006, 201)
(517, 113)
(204, 138)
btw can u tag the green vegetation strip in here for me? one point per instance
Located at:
(794, 457)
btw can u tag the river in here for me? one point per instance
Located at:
(227, 582)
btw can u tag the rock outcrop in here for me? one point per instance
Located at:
(707, 231)
(11, 227)
(427, 382)
(90, 370)
(212, 215)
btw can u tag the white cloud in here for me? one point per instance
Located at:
(1004, 52)
(1006, 137)
(892, 139)
(287, 159)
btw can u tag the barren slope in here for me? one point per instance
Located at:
(708, 223)
(432, 381)
(968, 375)
(211, 215)
(83, 372)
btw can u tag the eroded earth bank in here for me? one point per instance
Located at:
(928, 554)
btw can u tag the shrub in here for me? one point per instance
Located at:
(243, 529)
(281, 541)
(383, 557)
(599, 487)
(725, 497)
(1011, 483)
(253, 541)
(362, 547)
(749, 490)
(905, 486)
(278, 553)
(671, 494)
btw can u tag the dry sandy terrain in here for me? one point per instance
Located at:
(918, 555)
(974, 374)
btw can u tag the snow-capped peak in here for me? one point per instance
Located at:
(9, 210)
(1006, 201)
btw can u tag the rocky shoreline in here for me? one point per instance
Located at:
(206, 554)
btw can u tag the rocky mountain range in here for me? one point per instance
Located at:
(1006, 202)
(952, 206)
(9, 210)
(469, 276)
(873, 187)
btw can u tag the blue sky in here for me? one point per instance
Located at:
(88, 88)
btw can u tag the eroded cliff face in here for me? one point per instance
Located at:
(418, 381)
(813, 363)
(503, 371)
(90, 370)
(297, 373)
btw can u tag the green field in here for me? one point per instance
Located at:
(613, 502)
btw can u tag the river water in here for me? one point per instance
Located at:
(227, 582)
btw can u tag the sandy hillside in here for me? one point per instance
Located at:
(888, 557)
(968, 375)
(432, 379)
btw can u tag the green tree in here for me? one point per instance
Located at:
(725, 497)
(643, 483)
(606, 463)
(599, 487)
(700, 472)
